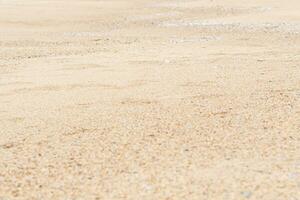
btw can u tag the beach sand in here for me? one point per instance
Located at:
(148, 99)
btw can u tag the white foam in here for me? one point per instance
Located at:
(282, 26)
(194, 39)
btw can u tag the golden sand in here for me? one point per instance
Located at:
(140, 99)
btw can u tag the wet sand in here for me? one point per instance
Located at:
(149, 99)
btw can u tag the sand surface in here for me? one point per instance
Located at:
(148, 99)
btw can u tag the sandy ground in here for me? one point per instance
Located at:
(148, 99)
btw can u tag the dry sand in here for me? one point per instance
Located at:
(148, 99)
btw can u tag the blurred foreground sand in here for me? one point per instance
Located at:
(140, 99)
